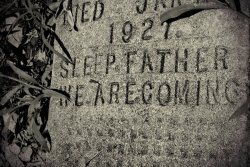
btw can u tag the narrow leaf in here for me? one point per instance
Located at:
(241, 110)
(46, 135)
(7, 7)
(180, 11)
(60, 10)
(5, 33)
(9, 110)
(54, 5)
(65, 4)
(17, 51)
(75, 27)
(26, 98)
(30, 11)
(56, 93)
(39, 137)
(15, 23)
(11, 93)
(33, 106)
(53, 50)
(27, 91)
(62, 45)
(22, 82)
(6, 120)
(21, 73)
(88, 162)
(69, 18)
(12, 13)
(46, 73)
(232, 4)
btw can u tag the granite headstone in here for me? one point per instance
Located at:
(148, 94)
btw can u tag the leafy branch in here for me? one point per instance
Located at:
(27, 47)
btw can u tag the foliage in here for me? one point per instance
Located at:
(187, 10)
(27, 44)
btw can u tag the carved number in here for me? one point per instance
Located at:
(127, 31)
(149, 23)
(111, 39)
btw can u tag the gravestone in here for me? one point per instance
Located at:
(147, 94)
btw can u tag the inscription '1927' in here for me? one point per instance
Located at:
(128, 31)
(94, 11)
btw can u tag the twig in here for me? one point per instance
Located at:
(87, 163)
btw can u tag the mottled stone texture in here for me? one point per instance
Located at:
(144, 100)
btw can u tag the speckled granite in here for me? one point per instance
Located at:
(143, 100)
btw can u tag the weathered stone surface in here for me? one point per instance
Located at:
(149, 101)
